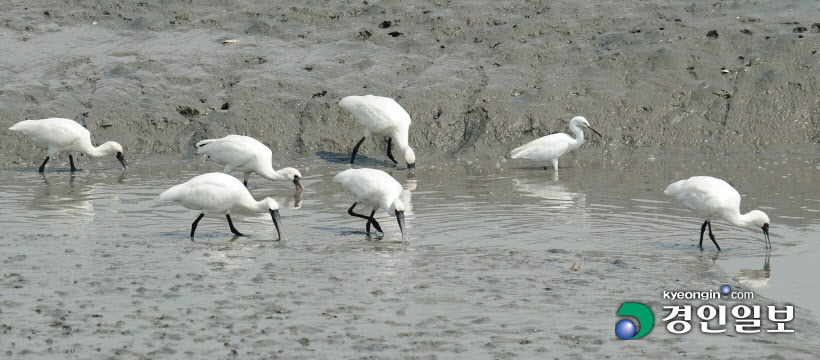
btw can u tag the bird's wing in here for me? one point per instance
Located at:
(54, 132)
(377, 114)
(203, 192)
(227, 151)
(368, 185)
(544, 148)
(705, 195)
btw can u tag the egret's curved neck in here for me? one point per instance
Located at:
(579, 134)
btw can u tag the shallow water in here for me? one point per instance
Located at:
(94, 264)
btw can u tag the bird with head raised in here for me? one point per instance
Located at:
(552, 146)
(65, 135)
(712, 198)
(244, 153)
(377, 189)
(217, 193)
(381, 116)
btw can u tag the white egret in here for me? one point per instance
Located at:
(552, 146)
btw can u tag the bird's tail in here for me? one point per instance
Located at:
(674, 188)
(519, 151)
(203, 143)
(22, 126)
(171, 194)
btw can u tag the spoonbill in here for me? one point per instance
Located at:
(552, 146)
(375, 188)
(381, 116)
(713, 198)
(58, 134)
(248, 155)
(217, 193)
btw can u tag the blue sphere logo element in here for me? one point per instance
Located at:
(725, 289)
(628, 330)
(625, 329)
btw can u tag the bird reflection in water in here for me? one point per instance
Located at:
(72, 199)
(756, 278)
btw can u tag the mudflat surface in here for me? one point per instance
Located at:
(477, 78)
(504, 261)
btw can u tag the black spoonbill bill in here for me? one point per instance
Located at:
(218, 193)
(374, 188)
(244, 153)
(381, 116)
(711, 198)
(552, 146)
(57, 134)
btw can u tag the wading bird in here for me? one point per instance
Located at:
(218, 193)
(248, 155)
(712, 198)
(374, 188)
(65, 135)
(381, 116)
(552, 146)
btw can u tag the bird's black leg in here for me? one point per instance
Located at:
(71, 161)
(356, 149)
(390, 150)
(370, 218)
(374, 222)
(350, 211)
(193, 227)
(702, 230)
(43, 166)
(233, 229)
(712, 236)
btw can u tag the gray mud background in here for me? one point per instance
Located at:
(93, 267)
(477, 77)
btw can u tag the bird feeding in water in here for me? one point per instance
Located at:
(375, 188)
(218, 193)
(65, 135)
(244, 153)
(381, 116)
(552, 146)
(712, 198)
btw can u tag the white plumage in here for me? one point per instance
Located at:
(65, 135)
(381, 116)
(552, 146)
(217, 193)
(711, 198)
(374, 188)
(248, 155)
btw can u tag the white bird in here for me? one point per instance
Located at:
(217, 193)
(57, 134)
(375, 188)
(248, 155)
(552, 146)
(713, 198)
(381, 116)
